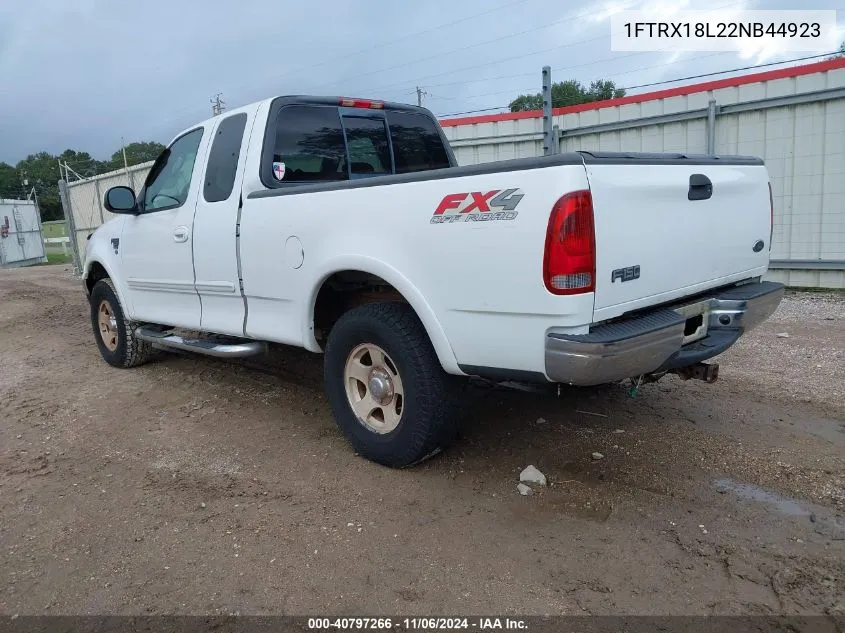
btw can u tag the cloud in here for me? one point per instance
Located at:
(84, 74)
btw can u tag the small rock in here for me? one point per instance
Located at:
(619, 430)
(524, 490)
(704, 531)
(798, 540)
(350, 524)
(17, 437)
(783, 335)
(202, 504)
(701, 527)
(532, 476)
(541, 420)
(360, 529)
(598, 456)
(812, 518)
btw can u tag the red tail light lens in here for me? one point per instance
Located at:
(771, 216)
(569, 262)
(346, 102)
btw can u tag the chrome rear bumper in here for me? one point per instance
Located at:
(653, 341)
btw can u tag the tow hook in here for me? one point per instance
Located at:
(708, 372)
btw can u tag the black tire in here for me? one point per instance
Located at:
(129, 351)
(428, 421)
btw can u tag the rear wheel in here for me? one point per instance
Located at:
(114, 334)
(388, 393)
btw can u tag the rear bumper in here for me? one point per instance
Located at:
(653, 341)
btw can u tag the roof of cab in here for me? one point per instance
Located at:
(303, 99)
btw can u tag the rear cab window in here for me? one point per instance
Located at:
(308, 143)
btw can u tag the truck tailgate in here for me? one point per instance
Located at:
(662, 233)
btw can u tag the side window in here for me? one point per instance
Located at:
(417, 144)
(169, 181)
(309, 145)
(369, 152)
(223, 158)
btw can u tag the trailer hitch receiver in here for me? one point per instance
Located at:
(708, 372)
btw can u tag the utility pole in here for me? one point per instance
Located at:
(125, 162)
(217, 104)
(420, 94)
(24, 182)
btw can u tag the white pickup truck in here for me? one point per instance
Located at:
(345, 226)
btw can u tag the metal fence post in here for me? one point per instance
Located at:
(547, 111)
(71, 225)
(40, 229)
(712, 111)
(99, 200)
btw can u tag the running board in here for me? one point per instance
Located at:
(238, 348)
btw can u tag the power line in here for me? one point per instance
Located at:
(510, 58)
(669, 81)
(402, 38)
(567, 18)
(658, 83)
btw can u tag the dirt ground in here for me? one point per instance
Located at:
(196, 486)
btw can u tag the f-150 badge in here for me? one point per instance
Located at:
(478, 206)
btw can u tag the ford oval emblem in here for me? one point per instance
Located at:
(758, 246)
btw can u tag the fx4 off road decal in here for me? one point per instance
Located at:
(478, 206)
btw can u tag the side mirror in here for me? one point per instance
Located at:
(121, 200)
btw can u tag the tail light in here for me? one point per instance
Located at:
(346, 102)
(569, 262)
(771, 216)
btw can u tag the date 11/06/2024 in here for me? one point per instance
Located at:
(417, 624)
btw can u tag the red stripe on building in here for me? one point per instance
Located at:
(769, 75)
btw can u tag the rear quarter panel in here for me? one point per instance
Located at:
(477, 285)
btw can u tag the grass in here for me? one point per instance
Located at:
(58, 258)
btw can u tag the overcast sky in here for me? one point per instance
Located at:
(85, 73)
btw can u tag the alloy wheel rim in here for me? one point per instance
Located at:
(374, 388)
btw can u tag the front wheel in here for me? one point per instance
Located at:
(388, 393)
(115, 335)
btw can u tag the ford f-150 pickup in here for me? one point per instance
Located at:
(345, 226)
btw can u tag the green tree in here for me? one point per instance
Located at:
(10, 182)
(83, 163)
(136, 153)
(839, 53)
(568, 93)
(41, 170)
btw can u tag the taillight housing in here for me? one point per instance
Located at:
(348, 102)
(771, 216)
(569, 261)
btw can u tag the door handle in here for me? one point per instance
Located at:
(180, 234)
(700, 187)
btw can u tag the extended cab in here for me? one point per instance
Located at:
(344, 226)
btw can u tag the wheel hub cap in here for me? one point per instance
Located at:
(374, 388)
(381, 386)
(107, 324)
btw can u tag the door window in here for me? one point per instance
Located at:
(169, 181)
(223, 158)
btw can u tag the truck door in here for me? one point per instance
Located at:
(155, 245)
(215, 226)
